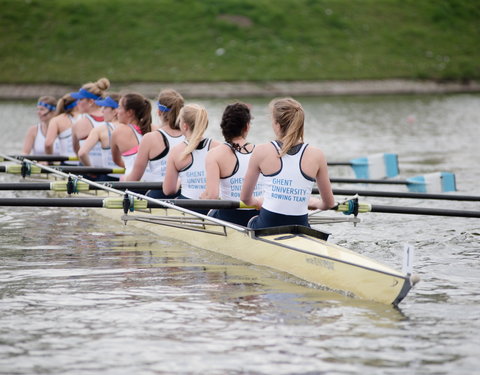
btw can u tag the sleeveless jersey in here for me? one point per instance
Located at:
(192, 178)
(287, 192)
(39, 143)
(231, 186)
(157, 166)
(130, 155)
(95, 154)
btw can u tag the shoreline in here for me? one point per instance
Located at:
(213, 90)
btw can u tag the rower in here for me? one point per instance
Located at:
(151, 161)
(102, 135)
(186, 161)
(60, 128)
(226, 164)
(92, 116)
(289, 168)
(135, 118)
(34, 142)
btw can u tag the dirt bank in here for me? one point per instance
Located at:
(256, 89)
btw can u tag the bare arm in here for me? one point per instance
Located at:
(52, 134)
(212, 170)
(29, 140)
(324, 186)
(116, 154)
(170, 183)
(92, 139)
(251, 178)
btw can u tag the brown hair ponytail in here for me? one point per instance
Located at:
(142, 110)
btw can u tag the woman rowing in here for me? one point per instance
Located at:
(187, 159)
(92, 116)
(60, 128)
(151, 161)
(135, 118)
(289, 168)
(34, 142)
(102, 135)
(226, 164)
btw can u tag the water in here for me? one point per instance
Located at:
(81, 295)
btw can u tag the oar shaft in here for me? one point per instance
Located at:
(395, 194)
(65, 169)
(25, 186)
(52, 202)
(46, 157)
(131, 185)
(100, 202)
(424, 211)
(367, 181)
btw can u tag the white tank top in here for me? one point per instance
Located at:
(192, 178)
(288, 191)
(231, 186)
(95, 154)
(157, 167)
(130, 155)
(39, 143)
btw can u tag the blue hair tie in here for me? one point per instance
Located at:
(71, 105)
(50, 107)
(163, 108)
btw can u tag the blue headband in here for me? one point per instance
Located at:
(162, 108)
(84, 94)
(71, 105)
(50, 107)
(107, 102)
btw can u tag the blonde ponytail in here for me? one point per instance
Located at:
(196, 117)
(289, 114)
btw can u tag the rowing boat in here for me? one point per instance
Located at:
(300, 251)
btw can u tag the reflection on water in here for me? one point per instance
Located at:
(86, 296)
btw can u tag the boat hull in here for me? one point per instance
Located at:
(300, 251)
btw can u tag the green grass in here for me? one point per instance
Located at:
(72, 41)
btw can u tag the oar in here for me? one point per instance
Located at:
(138, 204)
(43, 157)
(409, 195)
(27, 169)
(142, 186)
(117, 203)
(366, 207)
(374, 166)
(432, 182)
(80, 186)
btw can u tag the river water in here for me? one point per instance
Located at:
(82, 295)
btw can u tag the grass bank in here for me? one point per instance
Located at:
(72, 41)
